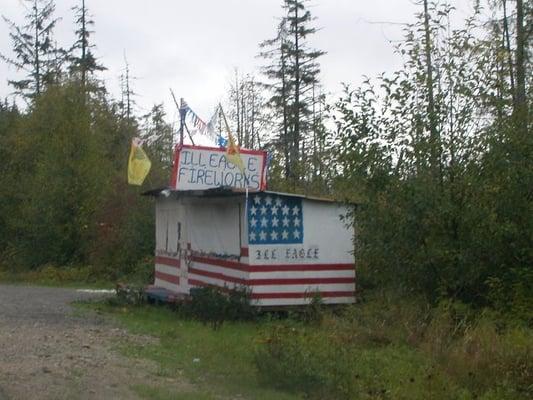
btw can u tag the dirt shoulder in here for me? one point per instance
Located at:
(49, 351)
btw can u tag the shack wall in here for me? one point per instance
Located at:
(290, 274)
(215, 242)
(170, 230)
(205, 241)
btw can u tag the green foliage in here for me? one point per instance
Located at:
(64, 196)
(61, 184)
(441, 173)
(85, 62)
(52, 275)
(128, 295)
(64, 200)
(214, 305)
(292, 77)
(219, 363)
(313, 312)
(36, 52)
(392, 348)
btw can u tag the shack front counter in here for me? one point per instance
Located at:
(282, 248)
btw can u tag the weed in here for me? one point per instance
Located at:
(386, 347)
(399, 348)
(129, 294)
(213, 305)
(220, 362)
(157, 393)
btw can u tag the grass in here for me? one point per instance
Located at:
(71, 277)
(219, 363)
(68, 276)
(154, 393)
(384, 348)
(399, 349)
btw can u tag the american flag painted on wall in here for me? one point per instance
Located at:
(274, 219)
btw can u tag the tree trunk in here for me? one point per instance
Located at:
(508, 50)
(238, 106)
(434, 134)
(285, 132)
(296, 114)
(520, 110)
(83, 46)
(37, 45)
(253, 115)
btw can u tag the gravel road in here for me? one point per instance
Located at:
(48, 351)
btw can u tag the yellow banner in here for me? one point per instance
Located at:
(138, 165)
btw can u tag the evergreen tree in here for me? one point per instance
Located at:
(35, 50)
(304, 69)
(127, 102)
(278, 85)
(292, 74)
(85, 62)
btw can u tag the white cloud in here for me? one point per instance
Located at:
(194, 46)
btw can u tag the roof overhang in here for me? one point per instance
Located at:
(222, 191)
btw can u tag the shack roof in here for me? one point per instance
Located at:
(224, 191)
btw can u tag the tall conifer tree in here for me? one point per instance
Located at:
(293, 72)
(85, 62)
(35, 50)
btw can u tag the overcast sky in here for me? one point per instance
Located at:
(194, 46)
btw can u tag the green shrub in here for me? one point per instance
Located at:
(239, 307)
(389, 348)
(326, 364)
(215, 305)
(313, 312)
(129, 294)
(485, 360)
(141, 273)
(50, 274)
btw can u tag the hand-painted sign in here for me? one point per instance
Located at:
(199, 167)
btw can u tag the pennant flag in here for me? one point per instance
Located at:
(187, 113)
(222, 141)
(211, 130)
(184, 108)
(138, 164)
(233, 154)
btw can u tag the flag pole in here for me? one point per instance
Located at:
(225, 120)
(245, 177)
(183, 114)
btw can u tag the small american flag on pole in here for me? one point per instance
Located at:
(275, 219)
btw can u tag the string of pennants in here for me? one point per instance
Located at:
(204, 128)
(209, 128)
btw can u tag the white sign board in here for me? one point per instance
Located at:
(199, 168)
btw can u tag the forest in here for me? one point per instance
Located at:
(437, 155)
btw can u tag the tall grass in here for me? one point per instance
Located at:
(218, 362)
(386, 347)
(393, 348)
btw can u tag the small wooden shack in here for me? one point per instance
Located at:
(284, 248)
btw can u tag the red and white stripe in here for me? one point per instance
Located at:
(270, 285)
(167, 273)
(282, 284)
